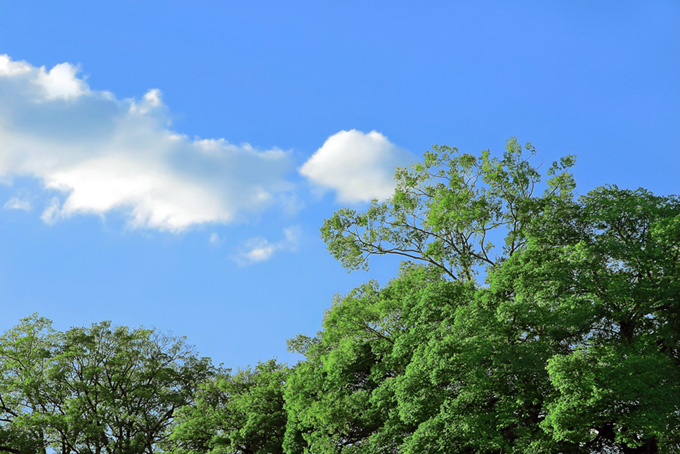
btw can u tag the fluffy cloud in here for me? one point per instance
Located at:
(260, 249)
(61, 82)
(104, 154)
(358, 166)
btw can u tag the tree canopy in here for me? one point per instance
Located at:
(522, 320)
(447, 210)
(569, 345)
(92, 390)
(238, 413)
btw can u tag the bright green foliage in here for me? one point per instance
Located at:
(422, 365)
(446, 210)
(93, 390)
(25, 354)
(571, 345)
(342, 397)
(235, 414)
(608, 267)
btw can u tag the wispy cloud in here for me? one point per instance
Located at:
(104, 154)
(260, 249)
(358, 166)
(52, 212)
(215, 239)
(18, 203)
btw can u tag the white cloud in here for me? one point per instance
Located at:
(10, 68)
(52, 212)
(358, 166)
(260, 249)
(103, 154)
(18, 203)
(61, 82)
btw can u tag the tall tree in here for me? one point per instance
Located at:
(342, 397)
(25, 354)
(94, 390)
(570, 345)
(447, 211)
(241, 413)
(608, 267)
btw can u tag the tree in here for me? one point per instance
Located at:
(122, 387)
(342, 397)
(608, 268)
(571, 343)
(445, 213)
(447, 210)
(238, 414)
(25, 353)
(95, 390)
(421, 365)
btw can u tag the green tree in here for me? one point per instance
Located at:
(608, 267)
(447, 210)
(421, 365)
(445, 213)
(25, 354)
(119, 388)
(477, 383)
(571, 343)
(236, 414)
(342, 397)
(93, 390)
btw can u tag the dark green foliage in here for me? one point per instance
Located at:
(608, 267)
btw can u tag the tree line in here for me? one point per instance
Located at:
(523, 320)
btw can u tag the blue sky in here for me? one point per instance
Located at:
(169, 164)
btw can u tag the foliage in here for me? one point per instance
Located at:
(342, 397)
(447, 210)
(608, 267)
(25, 354)
(93, 390)
(240, 414)
(570, 344)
